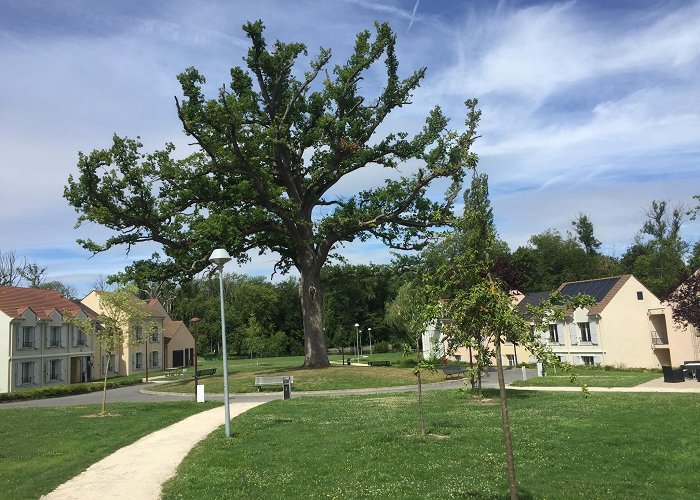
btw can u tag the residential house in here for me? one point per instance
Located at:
(179, 342)
(621, 329)
(145, 344)
(38, 346)
(627, 327)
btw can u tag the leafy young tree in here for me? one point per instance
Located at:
(272, 147)
(120, 310)
(411, 311)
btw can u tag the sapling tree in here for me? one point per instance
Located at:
(412, 312)
(119, 312)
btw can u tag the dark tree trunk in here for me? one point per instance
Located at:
(505, 420)
(315, 353)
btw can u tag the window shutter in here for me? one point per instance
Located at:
(597, 359)
(47, 337)
(18, 336)
(62, 370)
(48, 371)
(133, 360)
(18, 377)
(75, 336)
(544, 336)
(577, 361)
(64, 335)
(572, 331)
(594, 332)
(36, 373)
(37, 338)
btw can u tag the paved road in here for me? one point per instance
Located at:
(148, 393)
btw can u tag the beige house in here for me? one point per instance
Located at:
(179, 342)
(627, 327)
(38, 347)
(140, 350)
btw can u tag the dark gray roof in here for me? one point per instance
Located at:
(596, 288)
(532, 299)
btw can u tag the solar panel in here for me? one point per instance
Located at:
(596, 288)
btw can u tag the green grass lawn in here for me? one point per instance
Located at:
(614, 446)
(242, 374)
(592, 377)
(41, 448)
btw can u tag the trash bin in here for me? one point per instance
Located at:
(287, 386)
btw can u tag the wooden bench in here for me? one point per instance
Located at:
(263, 381)
(204, 373)
(379, 363)
(450, 370)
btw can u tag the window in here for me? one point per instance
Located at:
(138, 333)
(27, 337)
(55, 336)
(81, 339)
(640, 296)
(27, 373)
(138, 360)
(154, 337)
(553, 333)
(154, 359)
(54, 370)
(585, 329)
(511, 359)
(588, 360)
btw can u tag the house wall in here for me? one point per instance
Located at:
(683, 343)
(55, 360)
(182, 339)
(5, 343)
(126, 354)
(625, 327)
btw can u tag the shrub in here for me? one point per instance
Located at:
(55, 391)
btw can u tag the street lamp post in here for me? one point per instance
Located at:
(194, 322)
(219, 257)
(357, 342)
(369, 330)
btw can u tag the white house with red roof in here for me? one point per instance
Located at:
(38, 347)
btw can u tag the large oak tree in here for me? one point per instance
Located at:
(270, 147)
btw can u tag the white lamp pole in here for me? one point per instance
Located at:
(369, 329)
(219, 257)
(357, 342)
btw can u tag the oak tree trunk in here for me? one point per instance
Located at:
(315, 352)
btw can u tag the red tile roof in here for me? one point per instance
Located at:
(15, 300)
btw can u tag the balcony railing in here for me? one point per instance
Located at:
(658, 339)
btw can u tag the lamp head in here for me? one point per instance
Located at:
(357, 325)
(219, 257)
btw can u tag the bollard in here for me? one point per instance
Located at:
(540, 370)
(524, 373)
(200, 394)
(287, 386)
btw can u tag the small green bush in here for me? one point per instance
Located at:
(64, 390)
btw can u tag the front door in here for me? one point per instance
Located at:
(178, 358)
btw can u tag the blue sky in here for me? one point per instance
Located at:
(588, 106)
